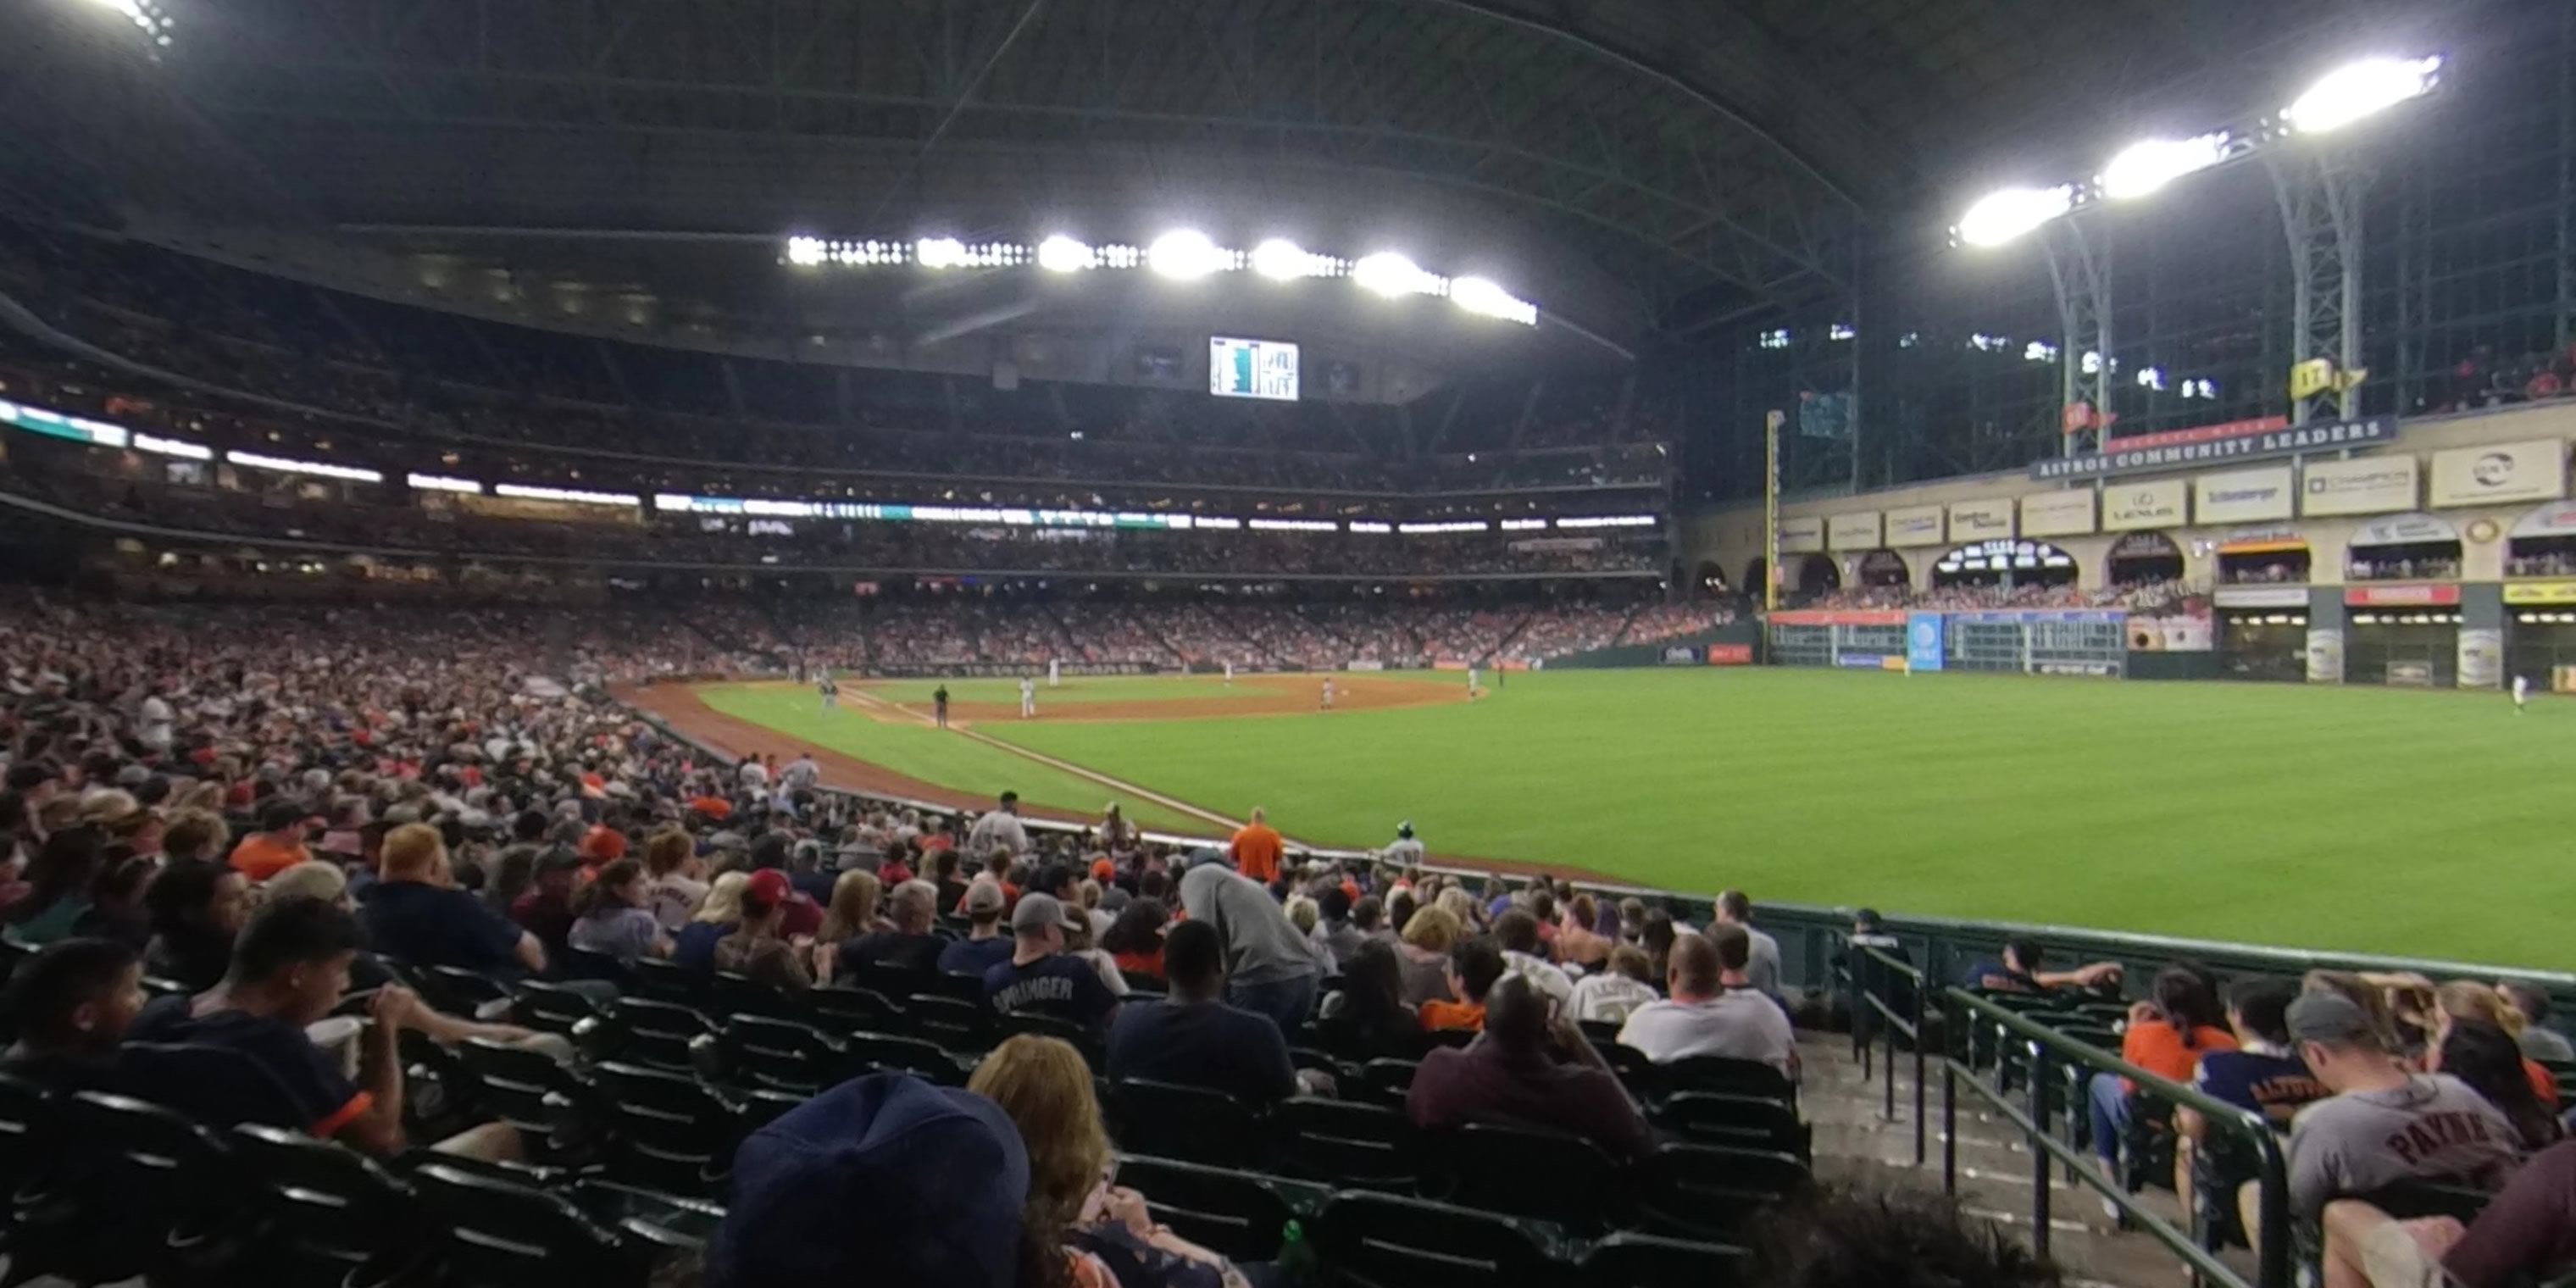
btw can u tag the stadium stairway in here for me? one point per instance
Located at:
(1855, 1145)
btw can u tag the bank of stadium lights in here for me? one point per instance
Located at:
(2349, 94)
(148, 17)
(1183, 255)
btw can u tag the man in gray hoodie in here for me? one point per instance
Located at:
(1270, 968)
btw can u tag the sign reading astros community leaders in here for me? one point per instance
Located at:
(2242, 445)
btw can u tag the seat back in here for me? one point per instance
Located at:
(1631, 1260)
(515, 1083)
(667, 981)
(584, 963)
(1489, 1167)
(1232, 1212)
(459, 991)
(888, 1053)
(1385, 1082)
(782, 1054)
(502, 1235)
(844, 1009)
(551, 1008)
(1386, 1241)
(649, 1031)
(1193, 1124)
(1345, 1143)
(735, 993)
(332, 1208)
(1079, 1037)
(26, 1129)
(1743, 1122)
(671, 1132)
(1726, 1076)
(885, 979)
(954, 1023)
(158, 1194)
(1707, 1191)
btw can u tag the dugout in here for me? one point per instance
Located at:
(1884, 568)
(2264, 639)
(2005, 562)
(2144, 559)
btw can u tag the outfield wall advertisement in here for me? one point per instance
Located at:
(1914, 525)
(2529, 471)
(2242, 496)
(2161, 503)
(1979, 520)
(2057, 514)
(1857, 531)
(2243, 441)
(1803, 535)
(2372, 485)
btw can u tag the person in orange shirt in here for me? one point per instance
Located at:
(1257, 848)
(276, 846)
(2166, 1037)
(605, 842)
(1474, 965)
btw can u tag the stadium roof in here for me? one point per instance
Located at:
(1638, 164)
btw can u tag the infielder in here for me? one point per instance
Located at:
(2521, 693)
(1028, 697)
(1229, 674)
(1055, 673)
(1328, 694)
(828, 691)
(1475, 689)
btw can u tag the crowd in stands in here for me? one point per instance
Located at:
(2239, 572)
(2372, 567)
(2546, 563)
(491, 389)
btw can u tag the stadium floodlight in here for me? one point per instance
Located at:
(1481, 296)
(1282, 260)
(1061, 254)
(1184, 255)
(2142, 168)
(2003, 216)
(805, 251)
(939, 252)
(2358, 90)
(1389, 274)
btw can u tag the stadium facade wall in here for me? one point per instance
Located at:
(2447, 454)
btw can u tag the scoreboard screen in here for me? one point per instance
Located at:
(1252, 369)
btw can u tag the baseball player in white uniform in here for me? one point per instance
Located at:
(1229, 673)
(1028, 697)
(1328, 693)
(2521, 693)
(1475, 685)
(1055, 673)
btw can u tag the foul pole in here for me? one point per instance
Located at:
(1771, 422)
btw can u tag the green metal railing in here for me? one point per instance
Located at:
(2048, 1048)
(1870, 972)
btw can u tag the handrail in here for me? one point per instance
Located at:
(1864, 994)
(2271, 1239)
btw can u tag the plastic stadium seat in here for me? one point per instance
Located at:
(668, 981)
(1235, 1213)
(459, 991)
(1603, 1034)
(1385, 1082)
(1522, 1171)
(1726, 1076)
(951, 1022)
(334, 1217)
(1347, 1144)
(1194, 1124)
(670, 1132)
(738, 994)
(583, 963)
(551, 1008)
(1742, 1122)
(26, 1130)
(886, 979)
(529, 1091)
(1081, 1038)
(889, 1053)
(154, 1194)
(855, 1010)
(965, 986)
(1706, 1191)
(648, 1031)
(781, 1055)
(504, 1235)
(1385, 1241)
(1629, 1260)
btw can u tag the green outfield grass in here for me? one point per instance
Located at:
(2372, 820)
(1084, 688)
(926, 754)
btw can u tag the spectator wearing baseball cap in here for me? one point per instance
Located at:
(757, 947)
(919, 1184)
(1039, 976)
(2383, 1123)
(985, 946)
(277, 845)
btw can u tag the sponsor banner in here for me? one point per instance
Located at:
(1802, 535)
(2529, 471)
(2400, 596)
(2557, 519)
(2404, 530)
(1892, 662)
(1923, 642)
(2160, 504)
(2262, 541)
(1864, 661)
(2057, 514)
(2197, 434)
(1980, 520)
(2325, 655)
(2262, 597)
(1915, 525)
(2481, 657)
(2173, 633)
(2540, 592)
(1364, 664)
(2371, 485)
(1535, 545)
(2250, 445)
(2412, 674)
(520, 507)
(2030, 617)
(2097, 670)
(1681, 655)
(2242, 496)
(1840, 617)
(1856, 531)
(1730, 655)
